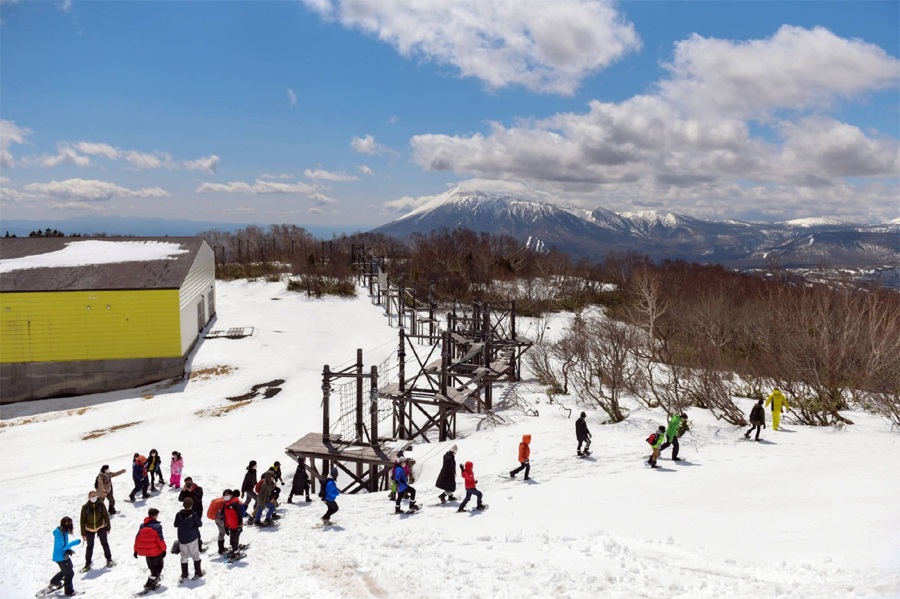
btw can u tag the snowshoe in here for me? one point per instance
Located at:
(482, 507)
(677, 459)
(199, 575)
(452, 497)
(110, 564)
(236, 557)
(49, 589)
(460, 510)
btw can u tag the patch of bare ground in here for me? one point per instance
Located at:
(204, 374)
(96, 434)
(44, 418)
(221, 410)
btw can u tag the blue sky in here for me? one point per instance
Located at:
(349, 113)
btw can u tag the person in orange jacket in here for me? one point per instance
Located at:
(524, 457)
(779, 403)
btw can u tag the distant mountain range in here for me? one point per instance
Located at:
(805, 243)
(145, 227)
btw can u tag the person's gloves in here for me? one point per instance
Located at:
(462, 468)
(135, 555)
(227, 531)
(69, 552)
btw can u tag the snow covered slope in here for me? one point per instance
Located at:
(807, 513)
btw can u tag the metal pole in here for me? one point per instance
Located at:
(326, 395)
(401, 360)
(359, 395)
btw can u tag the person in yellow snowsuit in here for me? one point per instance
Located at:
(779, 402)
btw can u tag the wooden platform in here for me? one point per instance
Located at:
(312, 445)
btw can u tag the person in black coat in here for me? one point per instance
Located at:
(757, 419)
(188, 523)
(446, 480)
(249, 485)
(195, 493)
(300, 484)
(583, 435)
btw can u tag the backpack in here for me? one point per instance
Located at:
(97, 482)
(258, 486)
(653, 438)
(214, 506)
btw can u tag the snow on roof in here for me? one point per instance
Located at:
(95, 252)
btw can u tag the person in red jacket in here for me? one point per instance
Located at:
(469, 477)
(234, 518)
(150, 544)
(524, 457)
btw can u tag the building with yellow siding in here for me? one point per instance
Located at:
(82, 315)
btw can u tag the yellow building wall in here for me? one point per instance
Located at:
(89, 325)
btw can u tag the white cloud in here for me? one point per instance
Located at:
(365, 170)
(145, 160)
(323, 175)
(292, 97)
(368, 145)
(795, 69)
(10, 134)
(689, 151)
(282, 177)
(405, 204)
(66, 5)
(259, 186)
(206, 163)
(90, 190)
(65, 154)
(547, 47)
(320, 199)
(98, 149)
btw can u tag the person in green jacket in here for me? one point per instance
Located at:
(672, 434)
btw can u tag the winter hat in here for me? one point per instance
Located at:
(188, 503)
(583, 415)
(252, 464)
(661, 428)
(334, 472)
(453, 448)
(277, 464)
(104, 467)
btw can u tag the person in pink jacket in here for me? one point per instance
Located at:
(175, 468)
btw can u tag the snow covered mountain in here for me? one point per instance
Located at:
(659, 234)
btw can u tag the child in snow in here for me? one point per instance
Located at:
(524, 457)
(233, 514)
(264, 499)
(104, 486)
(139, 476)
(175, 470)
(404, 490)
(446, 480)
(656, 445)
(149, 543)
(276, 468)
(757, 419)
(331, 495)
(583, 435)
(249, 483)
(779, 403)
(62, 550)
(195, 493)
(469, 477)
(188, 523)
(300, 483)
(672, 434)
(154, 469)
(95, 523)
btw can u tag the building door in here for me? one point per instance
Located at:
(201, 314)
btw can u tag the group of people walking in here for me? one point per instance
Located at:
(227, 511)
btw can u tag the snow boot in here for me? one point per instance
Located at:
(459, 510)
(110, 563)
(413, 507)
(222, 548)
(677, 459)
(512, 474)
(579, 452)
(290, 499)
(151, 584)
(397, 510)
(87, 568)
(113, 511)
(184, 572)
(480, 506)
(452, 497)
(198, 572)
(308, 499)
(443, 497)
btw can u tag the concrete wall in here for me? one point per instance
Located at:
(24, 381)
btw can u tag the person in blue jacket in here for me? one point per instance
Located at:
(331, 495)
(139, 476)
(404, 489)
(62, 550)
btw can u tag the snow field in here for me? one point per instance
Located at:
(807, 513)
